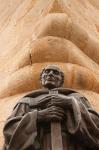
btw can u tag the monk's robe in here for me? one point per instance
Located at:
(80, 127)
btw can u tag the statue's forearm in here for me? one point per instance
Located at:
(26, 125)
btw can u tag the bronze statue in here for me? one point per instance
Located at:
(40, 115)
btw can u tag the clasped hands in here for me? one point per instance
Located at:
(53, 108)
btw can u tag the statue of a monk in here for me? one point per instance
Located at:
(29, 126)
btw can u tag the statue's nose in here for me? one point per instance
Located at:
(50, 73)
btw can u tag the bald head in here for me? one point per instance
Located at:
(52, 77)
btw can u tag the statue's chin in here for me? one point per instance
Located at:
(49, 85)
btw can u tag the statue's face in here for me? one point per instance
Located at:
(51, 77)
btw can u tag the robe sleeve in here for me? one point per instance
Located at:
(20, 128)
(83, 122)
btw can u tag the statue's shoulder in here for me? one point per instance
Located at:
(66, 91)
(76, 94)
(71, 92)
(36, 93)
(32, 97)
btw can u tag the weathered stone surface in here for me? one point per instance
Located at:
(34, 33)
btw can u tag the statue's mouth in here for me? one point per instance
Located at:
(48, 78)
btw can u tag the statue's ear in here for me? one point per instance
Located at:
(43, 70)
(62, 74)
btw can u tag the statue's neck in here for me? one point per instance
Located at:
(49, 89)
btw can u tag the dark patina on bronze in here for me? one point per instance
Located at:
(52, 116)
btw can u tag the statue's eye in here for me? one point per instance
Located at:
(56, 72)
(47, 71)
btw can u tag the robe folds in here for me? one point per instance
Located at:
(80, 128)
